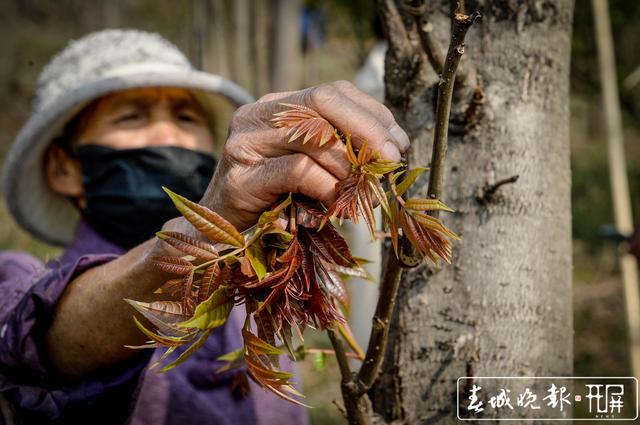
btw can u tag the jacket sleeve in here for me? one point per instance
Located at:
(29, 293)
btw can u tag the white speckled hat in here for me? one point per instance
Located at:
(93, 66)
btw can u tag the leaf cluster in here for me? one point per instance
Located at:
(287, 272)
(289, 269)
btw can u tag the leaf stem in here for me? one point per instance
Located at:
(222, 257)
(394, 191)
(349, 354)
(255, 237)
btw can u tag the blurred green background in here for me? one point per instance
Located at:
(32, 31)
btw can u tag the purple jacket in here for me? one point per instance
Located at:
(192, 393)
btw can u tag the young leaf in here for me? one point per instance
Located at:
(365, 205)
(411, 177)
(213, 277)
(164, 355)
(245, 266)
(199, 249)
(256, 345)
(232, 356)
(211, 313)
(190, 294)
(346, 204)
(378, 191)
(167, 341)
(173, 265)
(428, 241)
(272, 215)
(359, 271)
(433, 224)
(347, 334)
(394, 224)
(266, 330)
(351, 155)
(234, 359)
(214, 226)
(173, 287)
(319, 361)
(334, 284)
(305, 121)
(338, 247)
(255, 254)
(364, 154)
(285, 335)
(189, 351)
(274, 380)
(426, 205)
(380, 167)
(163, 314)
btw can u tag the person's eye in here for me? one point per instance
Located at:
(189, 117)
(186, 117)
(127, 117)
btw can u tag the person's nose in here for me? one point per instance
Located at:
(163, 131)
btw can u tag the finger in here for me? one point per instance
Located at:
(270, 97)
(365, 118)
(271, 143)
(378, 109)
(349, 116)
(299, 173)
(257, 115)
(346, 115)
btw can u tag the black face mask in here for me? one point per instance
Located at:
(123, 188)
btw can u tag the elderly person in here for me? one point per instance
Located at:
(117, 115)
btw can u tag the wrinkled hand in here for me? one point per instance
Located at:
(258, 165)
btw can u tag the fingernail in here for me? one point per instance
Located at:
(400, 136)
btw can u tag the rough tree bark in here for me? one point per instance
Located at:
(503, 308)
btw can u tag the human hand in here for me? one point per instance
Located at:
(258, 165)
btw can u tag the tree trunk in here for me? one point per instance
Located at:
(111, 13)
(259, 44)
(286, 50)
(214, 17)
(504, 307)
(240, 59)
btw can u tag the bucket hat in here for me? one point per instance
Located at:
(98, 64)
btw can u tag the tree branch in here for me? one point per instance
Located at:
(380, 327)
(357, 406)
(341, 355)
(393, 26)
(355, 386)
(461, 24)
(490, 190)
(331, 352)
(393, 270)
(429, 44)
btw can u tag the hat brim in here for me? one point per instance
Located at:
(35, 206)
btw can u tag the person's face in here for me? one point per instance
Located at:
(130, 119)
(147, 117)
